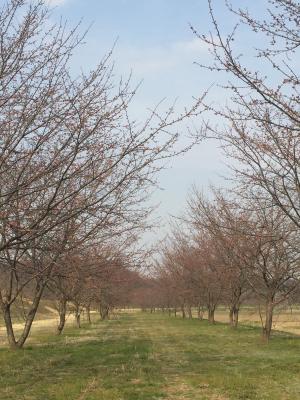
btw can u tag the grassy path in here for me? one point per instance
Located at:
(141, 357)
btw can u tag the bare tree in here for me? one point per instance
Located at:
(271, 260)
(258, 249)
(262, 119)
(220, 219)
(72, 163)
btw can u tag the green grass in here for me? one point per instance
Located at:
(143, 356)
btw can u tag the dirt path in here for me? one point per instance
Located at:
(37, 326)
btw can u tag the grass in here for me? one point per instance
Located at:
(142, 356)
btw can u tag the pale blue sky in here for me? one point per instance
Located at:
(155, 42)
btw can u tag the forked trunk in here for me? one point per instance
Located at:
(6, 310)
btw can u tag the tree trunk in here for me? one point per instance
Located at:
(235, 317)
(231, 316)
(175, 312)
(88, 314)
(62, 310)
(77, 316)
(235, 307)
(211, 315)
(200, 312)
(268, 321)
(18, 344)
(9, 327)
(190, 314)
(30, 316)
(104, 310)
(183, 311)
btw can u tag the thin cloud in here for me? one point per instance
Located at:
(162, 58)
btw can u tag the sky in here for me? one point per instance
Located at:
(154, 41)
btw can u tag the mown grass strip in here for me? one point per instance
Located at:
(141, 357)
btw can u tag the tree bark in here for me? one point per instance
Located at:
(30, 316)
(231, 316)
(200, 312)
(268, 321)
(183, 311)
(88, 314)
(9, 327)
(211, 315)
(77, 316)
(104, 310)
(235, 317)
(62, 310)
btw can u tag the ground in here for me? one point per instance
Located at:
(143, 356)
